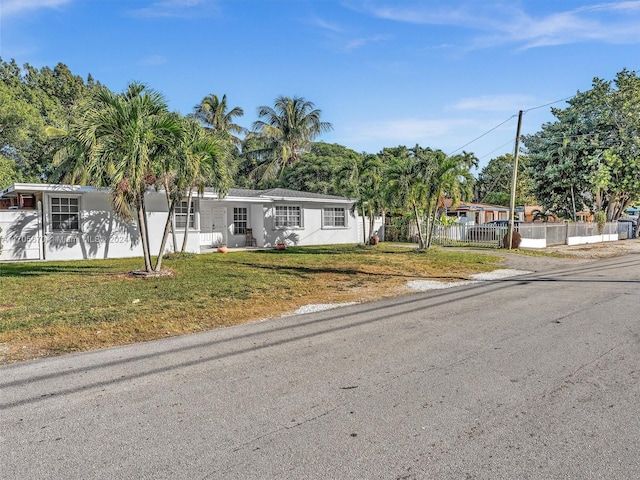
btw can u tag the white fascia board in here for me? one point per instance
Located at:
(229, 198)
(49, 188)
(308, 200)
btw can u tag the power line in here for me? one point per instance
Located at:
(485, 133)
(548, 104)
(507, 120)
(496, 149)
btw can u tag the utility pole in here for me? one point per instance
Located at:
(514, 178)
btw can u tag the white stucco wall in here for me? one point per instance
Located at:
(101, 234)
(20, 235)
(312, 231)
(592, 239)
(533, 243)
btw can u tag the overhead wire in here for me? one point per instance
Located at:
(507, 120)
(484, 134)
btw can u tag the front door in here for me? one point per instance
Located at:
(213, 225)
(219, 226)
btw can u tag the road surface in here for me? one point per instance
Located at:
(535, 376)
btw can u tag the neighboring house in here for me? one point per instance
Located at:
(63, 222)
(534, 213)
(477, 213)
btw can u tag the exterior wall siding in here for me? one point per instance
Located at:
(21, 235)
(101, 234)
(73, 223)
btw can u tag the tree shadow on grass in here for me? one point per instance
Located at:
(41, 268)
(306, 271)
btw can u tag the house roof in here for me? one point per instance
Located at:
(477, 206)
(273, 194)
(47, 187)
(286, 193)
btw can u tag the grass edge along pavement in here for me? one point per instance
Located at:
(53, 308)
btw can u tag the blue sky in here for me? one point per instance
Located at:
(384, 72)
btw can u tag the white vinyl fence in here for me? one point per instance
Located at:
(534, 235)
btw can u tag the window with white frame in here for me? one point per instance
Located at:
(334, 217)
(288, 216)
(65, 214)
(180, 215)
(239, 220)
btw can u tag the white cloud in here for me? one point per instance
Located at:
(494, 103)
(153, 61)
(332, 27)
(14, 7)
(361, 42)
(503, 22)
(178, 9)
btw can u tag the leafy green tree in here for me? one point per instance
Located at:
(29, 100)
(589, 158)
(317, 169)
(288, 129)
(8, 172)
(494, 181)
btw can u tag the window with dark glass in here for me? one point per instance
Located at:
(65, 214)
(239, 220)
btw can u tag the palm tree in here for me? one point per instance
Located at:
(361, 179)
(450, 178)
(119, 142)
(407, 184)
(203, 164)
(213, 112)
(288, 128)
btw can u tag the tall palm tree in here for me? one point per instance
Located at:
(361, 178)
(213, 112)
(203, 164)
(450, 178)
(120, 140)
(289, 127)
(408, 174)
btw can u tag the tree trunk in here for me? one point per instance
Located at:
(142, 226)
(371, 223)
(186, 225)
(432, 223)
(420, 238)
(165, 236)
(364, 227)
(146, 226)
(173, 227)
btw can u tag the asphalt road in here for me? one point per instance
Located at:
(530, 377)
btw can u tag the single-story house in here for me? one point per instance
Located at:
(64, 222)
(477, 213)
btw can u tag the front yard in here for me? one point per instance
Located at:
(50, 308)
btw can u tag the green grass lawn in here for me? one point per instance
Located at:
(57, 307)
